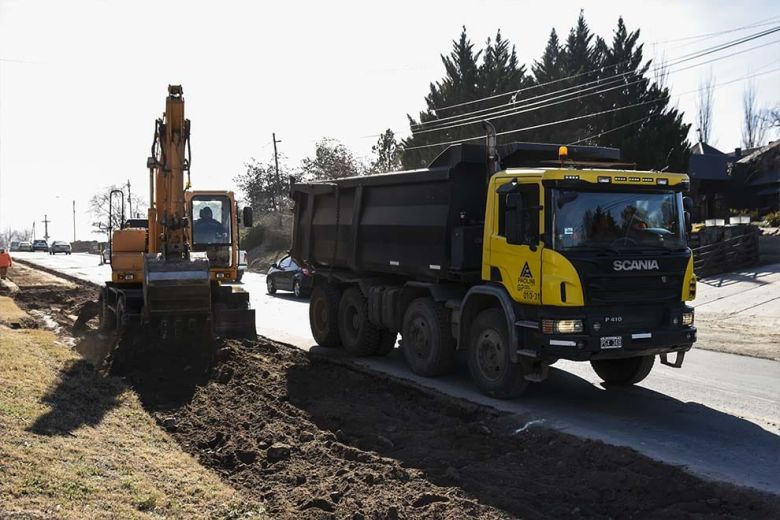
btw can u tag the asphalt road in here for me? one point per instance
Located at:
(718, 416)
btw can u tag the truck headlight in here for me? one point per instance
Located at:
(687, 318)
(561, 326)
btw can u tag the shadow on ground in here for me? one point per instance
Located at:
(80, 397)
(756, 276)
(531, 473)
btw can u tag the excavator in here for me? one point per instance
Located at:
(170, 276)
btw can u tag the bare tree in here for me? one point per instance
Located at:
(704, 108)
(101, 205)
(754, 127)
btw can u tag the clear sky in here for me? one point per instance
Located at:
(81, 81)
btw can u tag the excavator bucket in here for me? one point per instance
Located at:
(177, 294)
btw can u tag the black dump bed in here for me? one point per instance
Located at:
(423, 224)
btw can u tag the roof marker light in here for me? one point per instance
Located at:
(605, 180)
(662, 182)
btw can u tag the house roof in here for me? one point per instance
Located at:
(758, 152)
(705, 149)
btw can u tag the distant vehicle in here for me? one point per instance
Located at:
(40, 245)
(106, 255)
(289, 276)
(14, 246)
(59, 246)
(25, 246)
(243, 261)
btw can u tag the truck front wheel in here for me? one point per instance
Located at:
(359, 336)
(623, 372)
(428, 345)
(323, 315)
(489, 361)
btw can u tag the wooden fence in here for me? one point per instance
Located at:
(726, 255)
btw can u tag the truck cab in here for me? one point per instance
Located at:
(594, 261)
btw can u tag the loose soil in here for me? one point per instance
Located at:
(311, 439)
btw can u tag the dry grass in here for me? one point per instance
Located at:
(10, 313)
(78, 445)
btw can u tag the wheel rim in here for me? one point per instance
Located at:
(270, 284)
(420, 338)
(352, 321)
(320, 309)
(297, 289)
(491, 361)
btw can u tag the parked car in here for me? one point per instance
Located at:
(289, 276)
(243, 261)
(58, 246)
(25, 246)
(14, 246)
(40, 245)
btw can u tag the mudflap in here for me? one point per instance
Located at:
(233, 317)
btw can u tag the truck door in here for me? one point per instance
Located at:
(515, 251)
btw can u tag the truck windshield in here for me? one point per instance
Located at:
(617, 220)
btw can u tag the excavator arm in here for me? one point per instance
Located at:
(176, 286)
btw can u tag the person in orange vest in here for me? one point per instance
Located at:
(5, 263)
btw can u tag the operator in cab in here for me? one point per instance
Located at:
(207, 229)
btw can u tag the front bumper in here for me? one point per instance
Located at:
(642, 331)
(580, 347)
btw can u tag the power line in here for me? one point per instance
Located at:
(766, 21)
(539, 105)
(585, 116)
(641, 120)
(692, 55)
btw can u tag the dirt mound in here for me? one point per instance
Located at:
(317, 440)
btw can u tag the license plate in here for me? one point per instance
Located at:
(609, 342)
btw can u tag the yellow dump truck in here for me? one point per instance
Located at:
(520, 255)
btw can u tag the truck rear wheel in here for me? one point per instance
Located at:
(428, 345)
(359, 336)
(625, 371)
(323, 315)
(490, 364)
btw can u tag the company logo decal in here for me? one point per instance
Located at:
(635, 265)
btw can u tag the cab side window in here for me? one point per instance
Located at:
(529, 217)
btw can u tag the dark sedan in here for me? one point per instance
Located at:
(288, 276)
(40, 245)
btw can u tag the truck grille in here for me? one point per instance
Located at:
(616, 289)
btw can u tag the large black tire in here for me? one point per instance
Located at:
(270, 285)
(107, 316)
(623, 372)
(323, 315)
(386, 342)
(359, 336)
(489, 359)
(239, 276)
(428, 345)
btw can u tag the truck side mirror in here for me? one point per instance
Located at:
(513, 219)
(247, 216)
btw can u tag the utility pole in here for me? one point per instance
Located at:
(74, 220)
(278, 180)
(33, 230)
(129, 200)
(46, 222)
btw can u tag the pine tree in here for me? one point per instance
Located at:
(466, 79)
